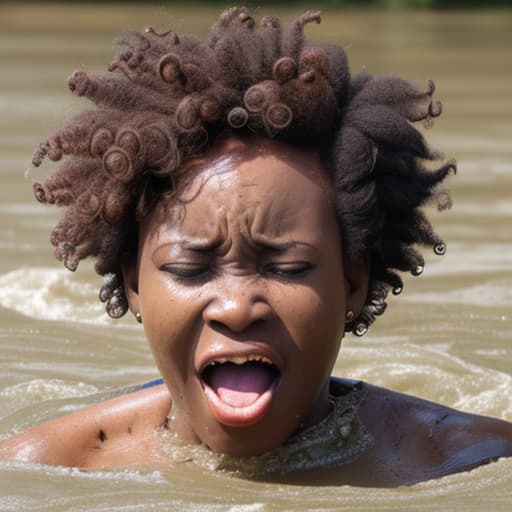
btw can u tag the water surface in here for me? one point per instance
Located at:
(446, 338)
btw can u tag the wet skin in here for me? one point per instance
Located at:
(249, 262)
(239, 266)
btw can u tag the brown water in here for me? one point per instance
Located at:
(446, 338)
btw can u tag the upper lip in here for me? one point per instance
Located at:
(246, 352)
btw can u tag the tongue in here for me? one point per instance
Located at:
(241, 385)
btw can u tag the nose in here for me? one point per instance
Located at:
(236, 309)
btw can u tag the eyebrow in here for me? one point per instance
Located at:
(198, 245)
(257, 241)
(261, 241)
(213, 245)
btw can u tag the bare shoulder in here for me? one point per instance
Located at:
(109, 434)
(417, 439)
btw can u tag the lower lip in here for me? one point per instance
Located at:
(240, 416)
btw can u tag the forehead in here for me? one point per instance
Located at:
(256, 181)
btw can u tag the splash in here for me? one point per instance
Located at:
(51, 294)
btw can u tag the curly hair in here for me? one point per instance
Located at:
(167, 98)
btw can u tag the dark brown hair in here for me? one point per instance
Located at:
(166, 99)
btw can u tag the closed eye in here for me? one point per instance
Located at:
(187, 271)
(288, 270)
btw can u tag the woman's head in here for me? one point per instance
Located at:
(170, 97)
(241, 286)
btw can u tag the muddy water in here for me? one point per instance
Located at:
(447, 338)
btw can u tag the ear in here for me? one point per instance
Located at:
(356, 285)
(131, 284)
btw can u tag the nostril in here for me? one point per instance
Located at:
(215, 324)
(236, 314)
(228, 326)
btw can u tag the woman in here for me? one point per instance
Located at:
(250, 201)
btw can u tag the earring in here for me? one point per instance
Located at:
(349, 316)
(138, 317)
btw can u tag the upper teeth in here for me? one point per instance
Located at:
(241, 360)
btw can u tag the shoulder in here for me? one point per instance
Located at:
(108, 434)
(423, 440)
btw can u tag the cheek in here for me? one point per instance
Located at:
(168, 319)
(314, 316)
(316, 327)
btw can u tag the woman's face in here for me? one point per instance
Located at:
(242, 291)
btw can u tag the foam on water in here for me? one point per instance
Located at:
(155, 477)
(432, 373)
(51, 294)
(447, 347)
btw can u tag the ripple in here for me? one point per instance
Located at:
(25, 394)
(431, 373)
(51, 294)
(490, 294)
(464, 258)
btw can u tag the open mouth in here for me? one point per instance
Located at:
(240, 389)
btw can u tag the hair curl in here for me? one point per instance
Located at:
(167, 98)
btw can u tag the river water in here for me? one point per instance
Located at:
(446, 338)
